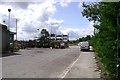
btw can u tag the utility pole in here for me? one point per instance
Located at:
(16, 31)
(51, 29)
(9, 10)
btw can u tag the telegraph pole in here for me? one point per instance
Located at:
(9, 10)
(51, 29)
(16, 33)
(16, 28)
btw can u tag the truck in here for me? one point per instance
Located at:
(84, 45)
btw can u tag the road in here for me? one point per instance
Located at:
(39, 62)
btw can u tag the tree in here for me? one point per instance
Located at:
(88, 37)
(44, 32)
(105, 42)
(44, 39)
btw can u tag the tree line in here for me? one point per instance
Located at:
(106, 42)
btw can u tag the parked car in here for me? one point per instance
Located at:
(84, 46)
(91, 48)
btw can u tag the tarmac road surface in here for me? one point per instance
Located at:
(39, 62)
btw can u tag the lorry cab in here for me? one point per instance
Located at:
(84, 45)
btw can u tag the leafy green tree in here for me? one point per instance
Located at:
(105, 42)
(44, 39)
(44, 32)
(87, 38)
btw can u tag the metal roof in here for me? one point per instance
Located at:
(1, 23)
(12, 33)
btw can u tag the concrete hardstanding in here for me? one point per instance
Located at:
(50, 63)
(85, 67)
(39, 63)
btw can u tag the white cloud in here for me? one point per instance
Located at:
(53, 25)
(78, 33)
(64, 3)
(33, 16)
(60, 0)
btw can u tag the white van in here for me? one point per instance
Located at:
(84, 45)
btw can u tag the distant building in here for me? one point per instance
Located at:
(6, 38)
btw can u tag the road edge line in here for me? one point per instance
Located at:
(69, 68)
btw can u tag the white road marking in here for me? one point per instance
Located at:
(68, 68)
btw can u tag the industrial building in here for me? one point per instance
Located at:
(6, 39)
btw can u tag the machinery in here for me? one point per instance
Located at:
(59, 41)
(54, 41)
(51, 40)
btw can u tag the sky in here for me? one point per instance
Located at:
(58, 17)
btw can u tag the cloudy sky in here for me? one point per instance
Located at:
(57, 16)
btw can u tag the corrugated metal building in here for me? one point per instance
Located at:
(7, 38)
